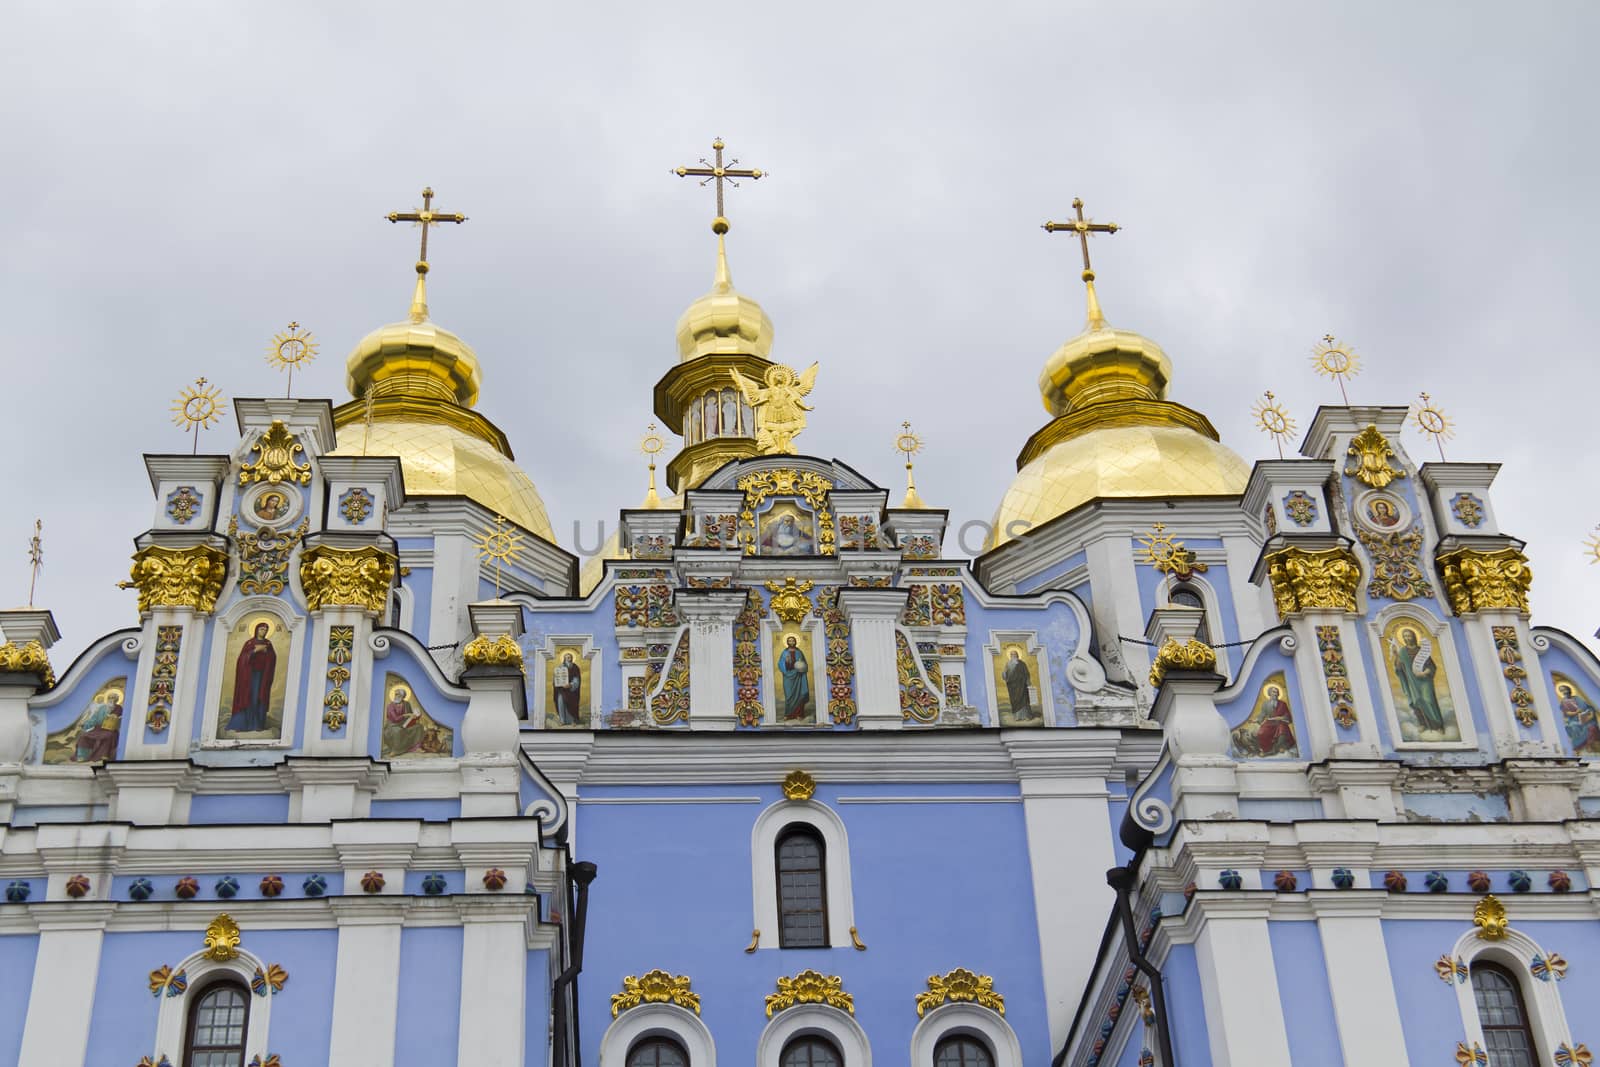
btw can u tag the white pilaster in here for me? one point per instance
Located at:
(366, 984)
(494, 956)
(61, 1003)
(1239, 987)
(1358, 975)
(710, 614)
(873, 615)
(352, 740)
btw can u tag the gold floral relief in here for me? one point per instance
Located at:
(810, 987)
(1193, 655)
(178, 577)
(1323, 580)
(654, 987)
(28, 658)
(1369, 455)
(360, 577)
(222, 938)
(789, 600)
(960, 985)
(1483, 581)
(276, 451)
(1396, 567)
(502, 651)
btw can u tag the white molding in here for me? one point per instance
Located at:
(950, 1019)
(657, 1020)
(206, 703)
(1444, 648)
(1546, 1016)
(668, 800)
(931, 800)
(836, 862)
(494, 967)
(1360, 980)
(173, 1012)
(803, 1019)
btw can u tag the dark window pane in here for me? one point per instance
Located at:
(802, 890)
(961, 1051)
(657, 1052)
(1506, 1037)
(217, 1022)
(811, 1052)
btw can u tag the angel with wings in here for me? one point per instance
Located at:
(780, 408)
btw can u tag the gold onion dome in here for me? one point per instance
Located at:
(422, 381)
(723, 321)
(1114, 435)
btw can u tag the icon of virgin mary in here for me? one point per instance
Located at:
(254, 671)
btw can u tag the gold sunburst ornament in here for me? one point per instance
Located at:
(1273, 419)
(909, 444)
(1432, 420)
(1591, 546)
(652, 444)
(1337, 360)
(500, 545)
(197, 407)
(290, 348)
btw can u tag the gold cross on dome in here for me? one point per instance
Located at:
(425, 218)
(1083, 228)
(715, 170)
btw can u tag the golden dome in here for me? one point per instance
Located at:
(1114, 433)
(416, 358)
(724, 321)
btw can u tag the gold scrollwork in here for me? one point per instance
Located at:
(1370, 453)
(789, 600)
(1323, 580)
(178, 577)
(502, 651)
(359, 577)
(264, 556)
(1481, 581)
(810, 987)
(222, 938)
(960, 984)
(654, 987)
(798, 785)
(1193, 655)
(1489, 916)
(275, 451)
(28, 658)
(786, 481)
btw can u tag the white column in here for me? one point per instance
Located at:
(494, 960)
(873, 614)
(1114, 578)
(710, 615)
(64, 974)
(1064, 796)
(1358, 974)
(366, 984)
(1240, 987)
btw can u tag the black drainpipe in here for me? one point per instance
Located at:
(1121, 880)
(579, 875)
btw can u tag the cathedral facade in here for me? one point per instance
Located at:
(1199, 763)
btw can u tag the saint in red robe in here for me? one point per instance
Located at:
(252, 682)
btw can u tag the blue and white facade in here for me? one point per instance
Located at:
(416, 804)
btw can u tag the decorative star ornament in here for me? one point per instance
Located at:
(290, 348)
(1273, 419)
(1432, 420)
(1337, 360)
(197, 408)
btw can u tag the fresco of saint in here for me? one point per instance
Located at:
(566, 690)
(408, 731)
(1578, 715)
(794, 672)
(92, 738)
(1269, 730)
(1422, 694)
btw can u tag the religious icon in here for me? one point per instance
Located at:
(1269, 729)
(780, 408)
(793, 686)
(1016, 696)
(271, 506)
(787, 531)
(1422, 699)
(408, 731)
(1578, 714)
(92, 737)
(253, 680)
(1382, 511)
(568, 703)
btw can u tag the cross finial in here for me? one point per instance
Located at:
(1083, 227)
(427, 217)
(909, 444)
(35, 557)
(652, 445)
(715, 170)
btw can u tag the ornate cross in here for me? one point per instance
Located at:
(426, 217)
(1083, 228)
(715, 170)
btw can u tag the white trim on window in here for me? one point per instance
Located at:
(949, 1020)
(836, 861)
(172, 1014)
(657, 1020)
(831, 1023)
(1515, 952)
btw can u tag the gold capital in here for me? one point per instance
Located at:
(1482, 581)
(502, 651)
(1323, 580)
(178, 577)
(1192, 655)
(29, 658)
(360, 577)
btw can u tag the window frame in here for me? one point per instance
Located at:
(763, 869)
(1541, 1001)
(810, 832)
(1525, 1024)
(967, 1037)
(956, 1018)
(811, 1036)
(636, 1024)
(657, 1037)
(172, 1029)
(197, 1000)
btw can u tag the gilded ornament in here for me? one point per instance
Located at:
(654, 987)
(502, 651)
(1509, 653)
(196, 408)
(786, 481)
(1322, 580)
(918, 703)
(264, 557)
(1273, 419)
(165, 981)
(798, 785)
(780, 408)
(355, 505)
(1169, 556)
(289, 349)
(359, 577)
(222, 939)
(182, 504)
(275, 461)
(755, 940)
(960, 985)
(1193, 655)
(1451, 970)
(841, 662)
(671, 703)
(499, 546)
(856, 942)
(1573, 1055)
(789, 600)
(1370, 453)
(270, 981)
(1341, 699)
(1471, 1057)
(810, 987)
(1431, 420)
(178, 577)
(341, 647)
(1336, 360)
(27, 658)
(747, 661)
(1141, 997)
(1396, 567)
(1548, 967)
(1300, 506)
(1591, 546)
(1489, 916)
(1467, 509)
(1484, 581)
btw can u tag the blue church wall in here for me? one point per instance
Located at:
(219, 808)
(536, 1009)
(1186, 1009)
(1304, 993)
(122, 1012)
(699, 886)
(428, 1022)
(428, 810)
(302, 1014)
(17, 955)
(420, 584)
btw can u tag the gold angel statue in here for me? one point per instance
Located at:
(780, 408)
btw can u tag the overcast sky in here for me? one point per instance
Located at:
(183, 180)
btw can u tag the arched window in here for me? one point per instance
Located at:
(811, 1051)
(216, 1026)
(1184, 596)
(802, 889)
(730, 414)
(1503, 1016)
(657, 1052)
(961, 1050)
